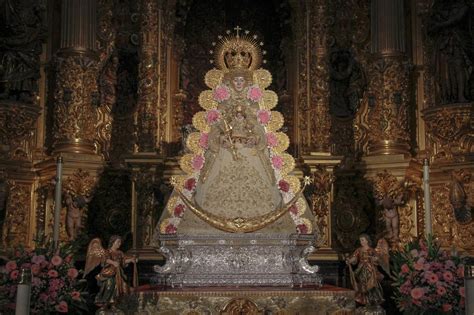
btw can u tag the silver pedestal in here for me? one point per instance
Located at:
(237, 260)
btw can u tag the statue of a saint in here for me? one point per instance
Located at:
(238, 177)
(366, 278)
(450, 26)
(112, 279)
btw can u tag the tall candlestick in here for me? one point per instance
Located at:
(57, 200)
(426, 189)
(23, 293)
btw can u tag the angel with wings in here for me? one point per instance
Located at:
(366, 278)
(112, 279)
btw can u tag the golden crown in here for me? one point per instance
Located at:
(238, 52)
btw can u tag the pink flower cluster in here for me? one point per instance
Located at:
(263, 116)
(428, 279)
(221, 93)
(54, 284)
(254, 93)
(212, 116)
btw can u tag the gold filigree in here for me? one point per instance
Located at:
(192, 142)
(262, 77)
(238, 52)
(283, 142)
(206, 100)
(213, 78)
(294, 182)
(276, 121)
(172, 202)
(269, 100)
(200, 123)
(301, 206)
(17, 216)
(80, 183)
(239, 224)
(288, 163)
(186, 163)
(177, 181)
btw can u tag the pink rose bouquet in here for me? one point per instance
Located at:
(428, 280)
(263, 116)
(221, 93)
(212, 116)
(55, 286)
(254, 93)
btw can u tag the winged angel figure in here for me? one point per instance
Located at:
(111, 279)
(366, 278)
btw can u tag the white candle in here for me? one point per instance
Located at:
(57, 200)
(23, 293)
(426, 189)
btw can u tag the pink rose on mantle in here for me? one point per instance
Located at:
(221, 93)
(277, 162)
(204, 140)
(254, 93)
(263, 116)
(283, 185)
(272, 140)
(190, 184)
(170, 229)
(302, 229)
(212, 116)
(178, 211)
(293, 209)
(197, 162)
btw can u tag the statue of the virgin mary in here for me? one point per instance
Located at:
(238, 173)
(237, 217)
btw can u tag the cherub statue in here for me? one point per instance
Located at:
(366, 278)
(75, 206)
(112, 279)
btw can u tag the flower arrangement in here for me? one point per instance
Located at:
(55, 287)
(428, 280)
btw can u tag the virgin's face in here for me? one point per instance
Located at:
(239, 83)
(363, 241)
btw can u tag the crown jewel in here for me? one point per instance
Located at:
(237, 52)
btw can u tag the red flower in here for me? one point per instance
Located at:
(178, 210)
(417, 293)
(76, 295)
(293, 209)
(11, 265)
(283, 185)
(14, 274)
(170, 229)
(62, 307)
(53, 273)
(72, 273)
(431, 277)
(441, 290)
(405, 268)
(190, 184)
(448, 276)
(302, 229)
(446, 307)
(56, 260)
(462, 292)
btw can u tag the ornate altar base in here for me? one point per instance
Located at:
(256, 300)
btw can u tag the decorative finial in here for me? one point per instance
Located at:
(237, 29)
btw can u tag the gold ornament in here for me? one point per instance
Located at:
(186, 163)
(213, 78)
(294, 182)
(206, 100)
(262, 77)
(283, 142)
(239, 224)
(200, 123)
(238, 52)
(276, 121)
(301, 205)
(171, 204)
(192, 142)
(178, 181)
(288, 163)
(269, 100)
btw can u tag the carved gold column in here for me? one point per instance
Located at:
(76, 93)
(148, 76)
(313, 89)
(389, 77)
